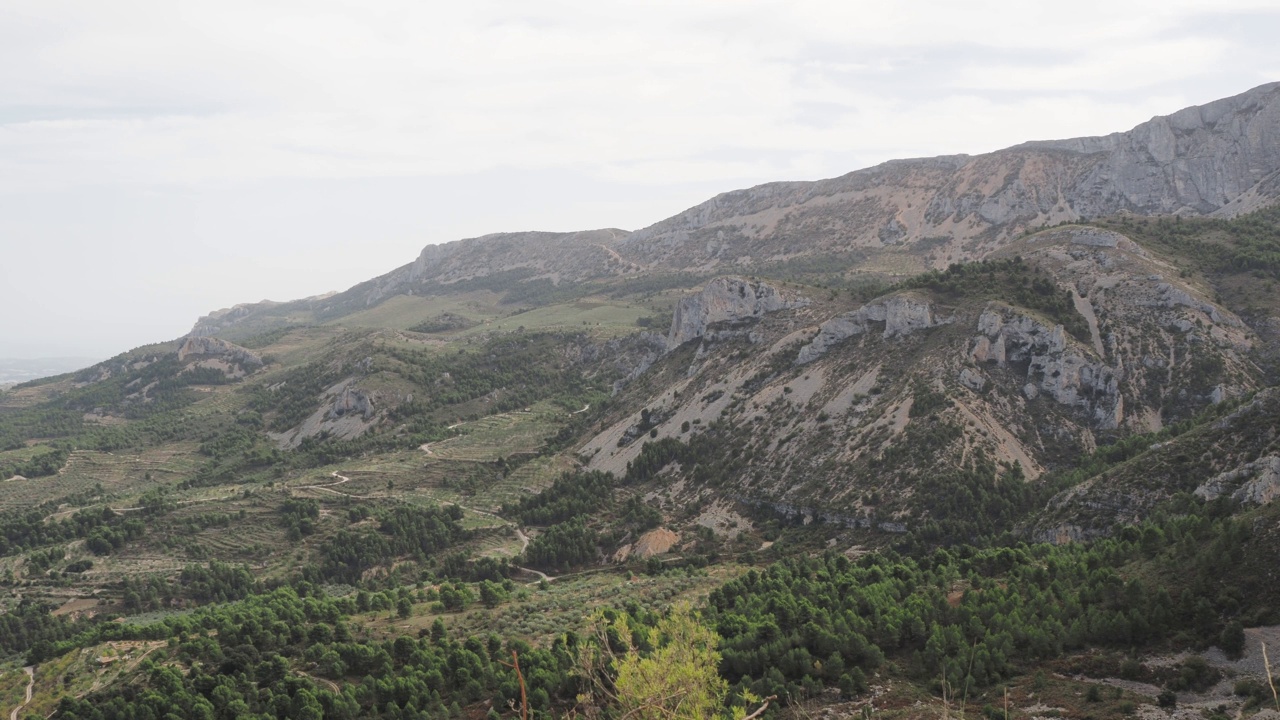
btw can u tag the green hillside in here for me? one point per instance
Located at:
(406, 500)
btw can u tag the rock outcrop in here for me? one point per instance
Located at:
(726, 300)
(655, 542)
(1201, 160)
(1257, 482)
(900, 314)
(1235, 452)
(1055, 367)
(351, 401)
(1222, 158)
(346, 412)
(250, 315)
(210, 352)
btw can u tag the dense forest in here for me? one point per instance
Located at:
(960, 617)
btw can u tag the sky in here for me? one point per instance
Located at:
(159, 160)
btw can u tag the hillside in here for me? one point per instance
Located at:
(993, 432)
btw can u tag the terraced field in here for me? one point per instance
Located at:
(385, 476)
(80, 672)
(217, 400)
(404, 311)
(17, 398)
(22, 454)
(600, 316)
(247, 539)
(530, 478)
(301, 345)
(122, 475)
(498, 436)
(461, 470)
(497, 541)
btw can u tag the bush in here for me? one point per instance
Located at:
(1232, 640)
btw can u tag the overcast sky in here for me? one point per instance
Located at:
(159, 160)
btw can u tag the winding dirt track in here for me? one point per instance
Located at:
(329, 487)
(30, 670)
(524, 541)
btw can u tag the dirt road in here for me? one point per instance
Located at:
(30, 670)
(329, 488)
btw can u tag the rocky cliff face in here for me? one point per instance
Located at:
(893, 317)
(1222, 158)
(1054, 367)
(519, 257)
(210, 352)
(351, 401)
(496, 262)
(346, 411)
(832, 402)
(1256, 482)
(1219, 158)
(727, 300)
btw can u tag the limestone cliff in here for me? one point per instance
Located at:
(1054, 367)
(1256, 482)
(210, 352)
(727, 300)
(900, 315)
(1222, 158)
(345, 412)
(834, 403)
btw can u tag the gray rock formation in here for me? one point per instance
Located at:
(1222, 158)
(726, 299)
(1242, 464)
(508, 258)
(901, 314)
(210, 352)
(345, 412)
(972, 379)
(1055, 366)
(351, 401)
(1257, 482)
(1199, 160)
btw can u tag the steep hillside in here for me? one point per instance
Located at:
(1233, 458)
(877, 414)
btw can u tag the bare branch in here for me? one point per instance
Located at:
(760, 710)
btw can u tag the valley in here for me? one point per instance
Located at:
(921, 441)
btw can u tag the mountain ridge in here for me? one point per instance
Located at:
(1218, 159)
